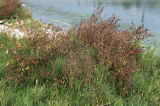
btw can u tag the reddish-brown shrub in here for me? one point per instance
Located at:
(7, 8)
(53, 60)
(79, 63)
(118, 50)
(69, 57)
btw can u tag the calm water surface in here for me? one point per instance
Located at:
(66, 13)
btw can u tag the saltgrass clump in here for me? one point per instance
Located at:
(13, 9)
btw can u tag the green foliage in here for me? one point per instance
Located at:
(146, 91)
(58, 66)
(146, 80)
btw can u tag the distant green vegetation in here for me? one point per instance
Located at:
(10, 9)
(93, 64)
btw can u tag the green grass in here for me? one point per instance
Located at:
(145, 92)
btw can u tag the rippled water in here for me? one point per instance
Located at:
(65, 13)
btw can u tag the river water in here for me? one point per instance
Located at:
(65, 13)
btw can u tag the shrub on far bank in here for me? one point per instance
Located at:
(13, 9)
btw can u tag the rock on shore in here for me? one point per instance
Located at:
(17, 30)
(11, 31)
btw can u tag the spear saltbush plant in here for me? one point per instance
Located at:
(95, 63)
(74, 58)
(118, 50)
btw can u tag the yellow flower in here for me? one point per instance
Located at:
(6, 51)
(27, 68)
(7, 64)
(2, 46)
(19, 46)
